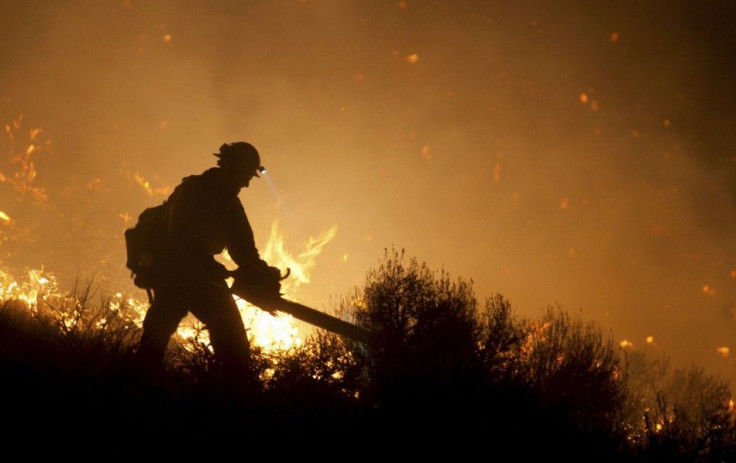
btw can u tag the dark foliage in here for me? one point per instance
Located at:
(439, 376)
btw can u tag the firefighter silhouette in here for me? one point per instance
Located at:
(204, 217)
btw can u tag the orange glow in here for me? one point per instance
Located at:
(425, 152)
(151, 190)
(23, 180)
(497, 172)
(266, 331)
(626, 344)
(724, 351)
(537, 334)
(479, 160)
(279, 332)
(656, 230)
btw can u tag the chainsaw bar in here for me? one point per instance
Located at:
(244, 287)
(319, 319)
(312, 316)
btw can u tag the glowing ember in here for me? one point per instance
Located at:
(724, 351)
(151, 190)
(412, 59)
(4, 216)
(709, 290)
(537, 334)
(497, 172)
(626, 344)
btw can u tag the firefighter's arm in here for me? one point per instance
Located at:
(255, 280)
(241, 244)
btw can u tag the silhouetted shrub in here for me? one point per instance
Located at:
(678, 415)
(424, 331)
(438, 364)
(462, 378)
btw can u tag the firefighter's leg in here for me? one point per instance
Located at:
(220, 314)
(160, 323)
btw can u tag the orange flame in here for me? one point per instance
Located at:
(149, 189)
(40, 288)
(23, 179)
(279, 332)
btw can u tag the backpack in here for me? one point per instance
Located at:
(145, 244)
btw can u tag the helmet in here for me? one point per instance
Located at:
(241, 155)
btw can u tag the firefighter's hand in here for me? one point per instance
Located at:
(276, 273)
(272, 281)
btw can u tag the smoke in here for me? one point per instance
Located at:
(556, 153)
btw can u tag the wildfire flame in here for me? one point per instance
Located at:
(149, 188)
(37, 285)
(280, 332)
(23, 179)
(39, 290)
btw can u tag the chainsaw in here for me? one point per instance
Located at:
(264, 291)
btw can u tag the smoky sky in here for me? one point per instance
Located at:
(560, 153)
